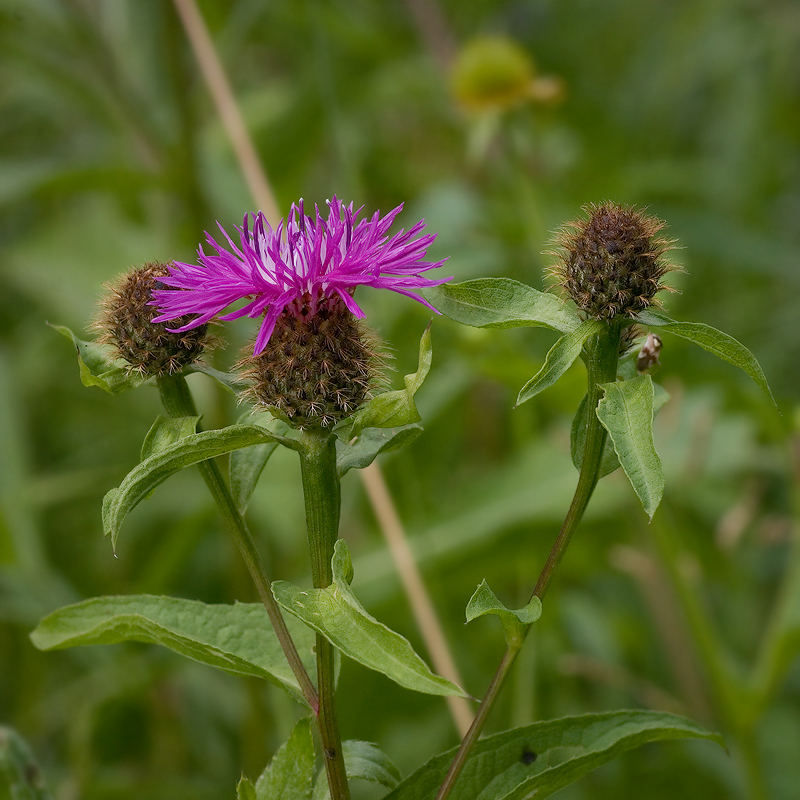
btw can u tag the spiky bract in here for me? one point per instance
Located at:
(612, 262)
(319, 365)
(125, 324)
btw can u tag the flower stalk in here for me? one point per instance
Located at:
(178, 402)
(322, 493)
(602, 355)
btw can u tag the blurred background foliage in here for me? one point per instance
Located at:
(112, 155)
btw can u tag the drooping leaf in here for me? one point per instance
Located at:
(289, 772)
(189, 450)
(484, 601)
(20, 778)
(715, 341)
(363, 760)
(165, 432)
(546, 756)
(246, 466)
(238, 638)
(342, 620)
(609, 462)
(371, 443)
(227, 380)
(560, 358)
(626, 412)
(502, 303)
(390, 409)
(97, 368)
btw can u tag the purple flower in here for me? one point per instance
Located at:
(296, 268)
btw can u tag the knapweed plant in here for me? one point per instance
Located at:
(314, 378)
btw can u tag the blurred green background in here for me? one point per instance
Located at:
(112, 155)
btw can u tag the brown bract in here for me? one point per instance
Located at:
(612, 262)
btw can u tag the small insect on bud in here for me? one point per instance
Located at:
(648, 355)
(125, 324)
(612, 263)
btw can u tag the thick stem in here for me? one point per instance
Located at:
(322, 494)
(603, 355)
(178, 402)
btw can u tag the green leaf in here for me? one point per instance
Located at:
(227, 380)
(546, 756)
(363, 760)
(20, 778)
(720, 344)
(370, 443)
(143, 478)
(245, 789)
(246, 466)
(335, 613)
(609, 462)
(502, 303)
(484, 601)
(560, 358)
(238, 639)
(390, 409)
(165, 432)
(626, 412)
(98, 369)
(288, 775)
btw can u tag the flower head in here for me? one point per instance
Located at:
(612, 262)
(126, 325)
(305, 264)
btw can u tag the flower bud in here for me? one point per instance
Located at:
(125, 325)
(612, 263)
(319, 365)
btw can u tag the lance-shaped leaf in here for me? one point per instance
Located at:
(371, 443)
(484, 601)
(538, 760)
(560, 358)
(165, 432)
(626, 412)
(289, 772)
(246, 466)
(20, 778)
(189, 450)
(502, 303)
(98, 369)
(227, 380)
(720, 344)
(363, 760)
(238, 638)
(609, 462)
(390, 409)
(342, 620)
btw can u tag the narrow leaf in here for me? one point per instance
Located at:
(609, 462)
(390, 409)
(484, 601)
(539, 759)
(626, 412)
(502, 303)
(288, 774)
(189, 450)
(560, 358)
(715, 341)
(363, 760)
(165, 432)
(97, 368)
(370, 443)
(342, 620)
(245, 789)
(238, 639)
(227, 380)
(246, 466)
(20, 778)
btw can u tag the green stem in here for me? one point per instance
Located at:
(601, 361)
(178, 402)
(322, 494)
